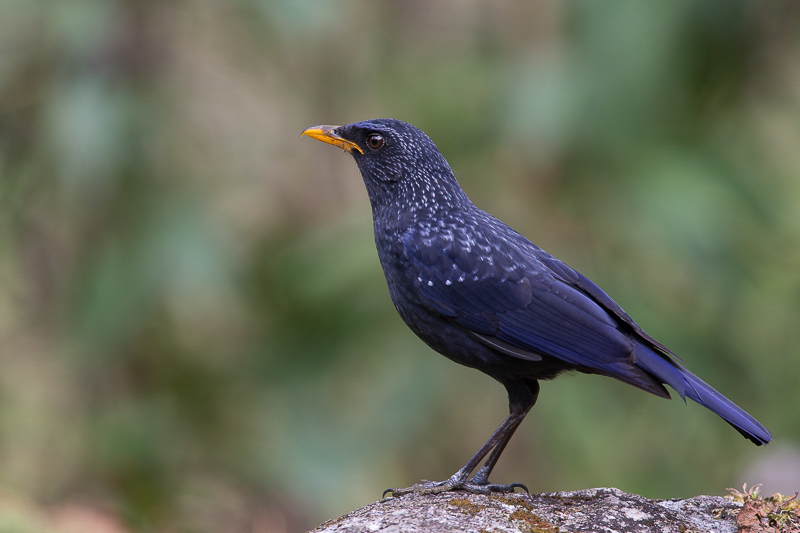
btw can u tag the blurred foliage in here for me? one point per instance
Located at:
(194, 330)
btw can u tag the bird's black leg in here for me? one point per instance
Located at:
(521, 398)
(482, 476)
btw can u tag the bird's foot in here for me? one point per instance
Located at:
(472, 486)
(423, 487)
(492, 488)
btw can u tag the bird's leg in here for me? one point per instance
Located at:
(458, 480)
(521, 400)
(482, 476)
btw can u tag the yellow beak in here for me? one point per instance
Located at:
(326, 135)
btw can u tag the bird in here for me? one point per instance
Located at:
(486, 297)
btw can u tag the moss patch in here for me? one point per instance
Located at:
(533, 523)
(766, 514)
(466, 506)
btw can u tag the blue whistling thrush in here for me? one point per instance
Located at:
(484, 296)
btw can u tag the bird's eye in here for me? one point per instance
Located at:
(375, 141)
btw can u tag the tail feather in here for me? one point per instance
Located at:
(689, 385)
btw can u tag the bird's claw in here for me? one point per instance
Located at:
(510, 488)
(423, 487)
(491, 488)
(467, 485)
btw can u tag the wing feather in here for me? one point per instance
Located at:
(528, 310)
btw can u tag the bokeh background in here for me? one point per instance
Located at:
(195, 334)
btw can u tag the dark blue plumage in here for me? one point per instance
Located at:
(484, 296)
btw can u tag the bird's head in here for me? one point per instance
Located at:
(399, 163)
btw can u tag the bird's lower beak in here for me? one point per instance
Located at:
(326, 135)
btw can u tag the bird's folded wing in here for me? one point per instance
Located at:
(571, 276)
(524, 303)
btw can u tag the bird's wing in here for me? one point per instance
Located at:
(655, 359)
(571, 276)
(514, 296)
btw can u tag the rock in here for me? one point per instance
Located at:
(604, 510)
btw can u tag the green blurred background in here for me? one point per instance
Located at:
(195, 334)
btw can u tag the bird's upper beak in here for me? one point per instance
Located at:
(326, 134)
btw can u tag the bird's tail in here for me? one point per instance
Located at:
(689, 385)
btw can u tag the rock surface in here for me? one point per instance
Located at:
(601, 510)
